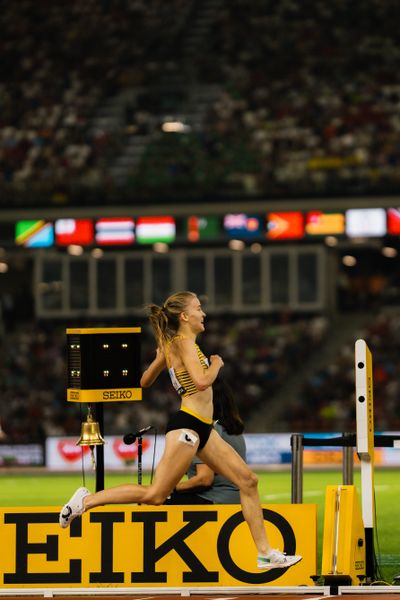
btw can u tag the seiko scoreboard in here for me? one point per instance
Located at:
(103, 364)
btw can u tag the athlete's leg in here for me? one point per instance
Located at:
(223, 459)
(179, 451)
(173, 465)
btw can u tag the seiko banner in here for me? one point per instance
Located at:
(171, 546)
(62, 453)
(262, 449)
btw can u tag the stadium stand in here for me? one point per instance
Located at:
(269, 98)
(259, 355)
(113, 102)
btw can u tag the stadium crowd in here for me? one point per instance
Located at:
(60, 64)
(258, 354)
(296, 99)
(305, 99)
(327, 399)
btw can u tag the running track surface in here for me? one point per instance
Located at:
(197, 596)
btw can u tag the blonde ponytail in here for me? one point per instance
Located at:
(164, 319)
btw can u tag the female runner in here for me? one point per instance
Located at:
(176, 326)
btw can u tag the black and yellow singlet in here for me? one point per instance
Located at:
(181, 380)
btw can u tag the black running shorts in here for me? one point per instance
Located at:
(183, 420)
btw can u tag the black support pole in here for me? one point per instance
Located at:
(100, 448)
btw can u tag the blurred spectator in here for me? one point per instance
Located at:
(258, 356)
(259, 353)
(327, 400)
(296, 112)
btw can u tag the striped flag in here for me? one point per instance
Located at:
(115, 231)
(150, 230)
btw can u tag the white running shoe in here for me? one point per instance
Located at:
(73, 508)
(276, 559)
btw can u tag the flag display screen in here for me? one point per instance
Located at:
(199, 228)
(150, 230)
(321, 223)
(242, 226)
(115, 231)
(34, 233)
(393, 221)
(285, 225)
(219, 228)
(74, 231)
(366, 222)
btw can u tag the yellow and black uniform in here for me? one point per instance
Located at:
(186, 418)
(181, 380)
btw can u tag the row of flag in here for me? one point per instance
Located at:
(103, 232)
(289, 225)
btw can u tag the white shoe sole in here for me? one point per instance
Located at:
(279, 565)
(73, 508)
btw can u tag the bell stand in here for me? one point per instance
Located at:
(99, 413)
(103, 364)
(139, 459)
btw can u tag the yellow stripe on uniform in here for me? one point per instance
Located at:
(189, 411)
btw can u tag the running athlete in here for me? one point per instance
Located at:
(189, 431)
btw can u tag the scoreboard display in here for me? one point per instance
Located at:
(139, 231)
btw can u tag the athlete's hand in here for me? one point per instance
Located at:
(160, 353)
(154, 369)
(215, 358)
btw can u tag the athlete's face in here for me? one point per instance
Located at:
(195, 315)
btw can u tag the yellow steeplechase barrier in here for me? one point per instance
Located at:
(365, 445)
(152, 547)
(343, 548)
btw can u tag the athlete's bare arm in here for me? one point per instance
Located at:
(204, 478)
(202, 378)
(154, 369)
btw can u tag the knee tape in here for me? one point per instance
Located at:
(188, 437)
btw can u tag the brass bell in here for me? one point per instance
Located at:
(90, 435)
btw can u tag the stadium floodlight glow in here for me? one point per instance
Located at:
(161, 248)
(97, 252)
(75, 250)
(349, 260)
(237, 245)
(174, 127)
(389, 252)
(331, 241)
(256, 248)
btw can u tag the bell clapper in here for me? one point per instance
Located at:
(93, 458)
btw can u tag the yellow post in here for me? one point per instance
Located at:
(365, 445)
(343, 550)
